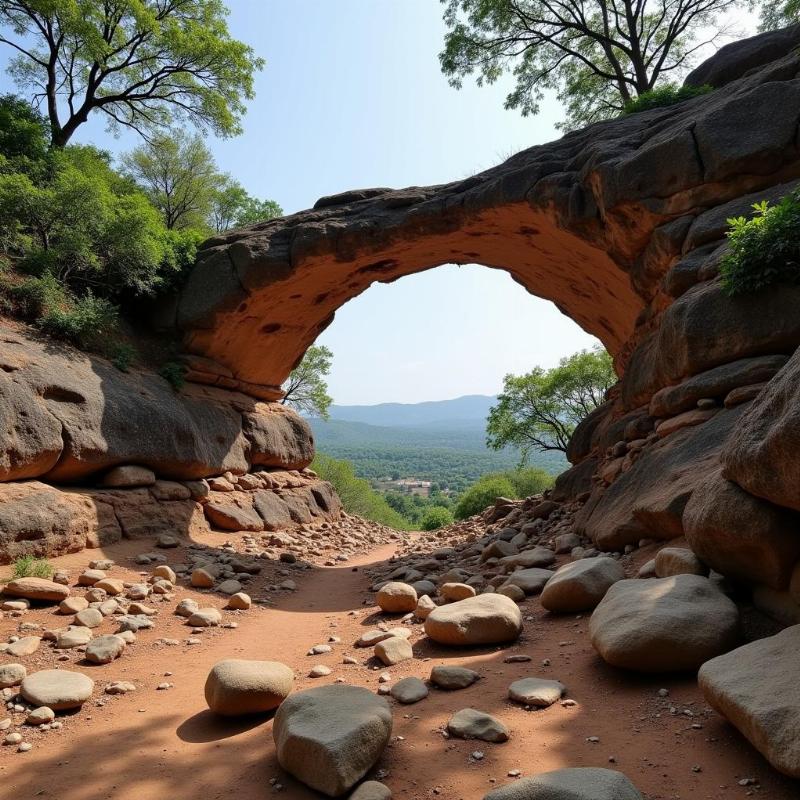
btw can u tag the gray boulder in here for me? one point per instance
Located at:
(581, 585)
(329, 737)
(664, 625)
(757, 688)
(577, 783)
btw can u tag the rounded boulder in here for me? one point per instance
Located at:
(664, 625)
(581, 585)
(485, 619)
(236, 687)
(397, 598)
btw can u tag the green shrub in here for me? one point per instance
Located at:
(667, 95)
(529, 481)
(90, 323)
(765, 249)
(174, 373)
(356, 494)
(482, 494)
(30, 567)
(436, 517)
(33, 297)
(122, 355)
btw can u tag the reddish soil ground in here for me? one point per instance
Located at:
(152, 745)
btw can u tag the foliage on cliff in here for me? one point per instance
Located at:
(764, 249)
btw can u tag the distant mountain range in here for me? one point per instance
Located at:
(442, 413)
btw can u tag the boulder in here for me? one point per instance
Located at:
(531, 581)
(396, 598)
(372, 790)
(575, 783)
(741, 536)
(471, 724)
(424, 607)
(74, 636)
(538, 692)
(580, 585)
(233, 515)
(485, 619)
(129, 476)
(12, 675)
(762, 457)
(329, 737)
(59, 689)
(89, 618)
(205, 618)
(104, 649)
(678, 561)
(452, 678)
(528, 559)
(235, 687)
(757, 688)
(512, 592)
(393, 650)
(664, 625)
(452, 592)
(409, 690)
(36, 589)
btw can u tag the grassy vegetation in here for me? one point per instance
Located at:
(765, 249)
(356, 494)
(516, 484)
(30, 567)
(667, 95)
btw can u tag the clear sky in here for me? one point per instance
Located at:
(352, 96)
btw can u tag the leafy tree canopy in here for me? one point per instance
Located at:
(306, 389)
(596, 55)
(539, 410)
(144, 64)
(779, 13)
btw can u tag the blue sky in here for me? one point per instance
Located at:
(352, 96)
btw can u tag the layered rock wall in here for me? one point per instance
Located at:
(210, 456)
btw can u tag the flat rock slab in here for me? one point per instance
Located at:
(452, 678)
(26, 646)
(37, 589)
(485, 619)
(329, 737)
(581, 585)
(531, 581)
(665, 624)
(409, 690)
(58, 689)
(757, 688)
(235, 686)
(579, 783)
(471, 724)
(538, 692)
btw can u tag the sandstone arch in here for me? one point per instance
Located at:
(592, 222)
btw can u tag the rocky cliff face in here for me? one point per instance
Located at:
(89, 454)
(622, 225)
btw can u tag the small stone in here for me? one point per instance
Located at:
(239, 601)
(409, 690)
(471, 724)
(41, 716)
(393, 650)
(319, 671)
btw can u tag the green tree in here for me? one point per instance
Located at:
(778, 13)
(482, 494)
(539, 410)
(306, 389)
(84, 225)
(597, 56)
(529, 481)
(436, 517)
(145, 64)
(180, 176)
(24, 134)
(233, 207)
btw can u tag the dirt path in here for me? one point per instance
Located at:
(157, 745)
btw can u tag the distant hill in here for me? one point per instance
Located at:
(472, 407)
(441, 441)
